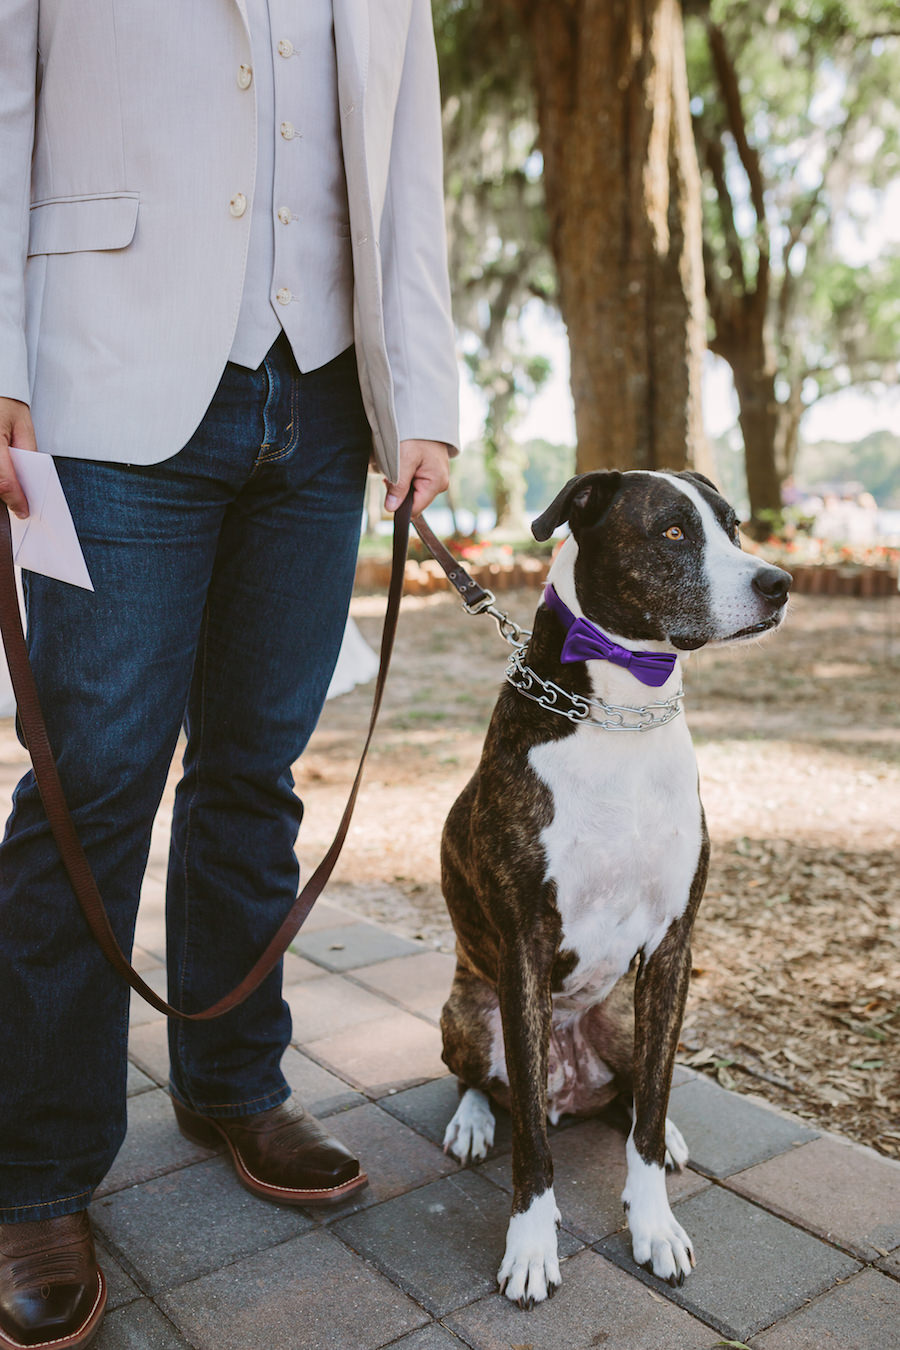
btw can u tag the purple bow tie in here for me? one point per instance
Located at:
(585, 642)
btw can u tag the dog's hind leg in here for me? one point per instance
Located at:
(473, 1049)
(470, 1132)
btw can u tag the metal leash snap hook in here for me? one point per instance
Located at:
(508, 629)
(464, 584)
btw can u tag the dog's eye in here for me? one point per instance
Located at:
(674, 532)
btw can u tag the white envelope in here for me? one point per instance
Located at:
(46, 542)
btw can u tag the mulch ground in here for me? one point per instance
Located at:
(795, 989)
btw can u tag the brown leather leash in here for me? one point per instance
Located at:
(60, 820)
(476, 599)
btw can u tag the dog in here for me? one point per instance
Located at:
(577, 853)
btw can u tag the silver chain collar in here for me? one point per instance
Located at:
(578, 709)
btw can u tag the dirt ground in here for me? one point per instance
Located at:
(795, 989)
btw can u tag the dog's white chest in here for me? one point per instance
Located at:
(622, 847)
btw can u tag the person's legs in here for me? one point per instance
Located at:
(246, 539)
(113, 670)
(271, 631)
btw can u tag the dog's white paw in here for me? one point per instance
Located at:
(529, 1272)
(676, 1149)
(471, 1131)
(658, 1240)
(663, 1246)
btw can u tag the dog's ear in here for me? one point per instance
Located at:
(699, 478)
(583, 501)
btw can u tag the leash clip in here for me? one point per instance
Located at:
(508, 629)
(456, 574)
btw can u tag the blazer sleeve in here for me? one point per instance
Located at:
(417, 318)
(18, 62)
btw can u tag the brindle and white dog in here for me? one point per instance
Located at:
(577, 851)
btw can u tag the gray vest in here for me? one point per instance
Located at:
(299, 273)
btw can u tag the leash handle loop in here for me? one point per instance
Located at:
(60, 820)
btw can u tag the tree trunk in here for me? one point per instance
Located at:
(758, 417)
(623, 200)
(505, 463)
(787, 442)
(742, 340)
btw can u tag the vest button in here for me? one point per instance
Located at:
(244, 77)
(285, 47)
(283, 296)
(238, 204)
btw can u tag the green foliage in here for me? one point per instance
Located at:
(730, 477)
(798, 133)
(546, 467)
(796, 157)
(499, 259)
(874, 462)
(550, 467)
(858, 308)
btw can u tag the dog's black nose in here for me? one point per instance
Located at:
(773, 584)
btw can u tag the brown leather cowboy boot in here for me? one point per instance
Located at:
(283, 1154)
(51, 1288)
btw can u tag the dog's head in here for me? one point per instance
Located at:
(657, 556)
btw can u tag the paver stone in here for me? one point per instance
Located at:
(596, 1305)
(310, 1292)
(833, 1188)
(752, 1268)
(726, 1133)
(862, 1314)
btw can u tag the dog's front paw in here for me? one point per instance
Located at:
(471, 1131)
(529, 1272)
(663, 1247)
(658, 1240)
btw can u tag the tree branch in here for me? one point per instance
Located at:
(729, 87)
(714, 156)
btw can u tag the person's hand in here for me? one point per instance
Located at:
(424, 465)
(15, 429)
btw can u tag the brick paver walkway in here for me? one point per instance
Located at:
(797, 1233)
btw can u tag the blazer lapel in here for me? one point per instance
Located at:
(351, 43)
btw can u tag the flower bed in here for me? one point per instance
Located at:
(845, 580)
(423, 578)
(817, 566)
(822, 567)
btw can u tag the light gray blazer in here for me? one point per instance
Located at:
(116, 183)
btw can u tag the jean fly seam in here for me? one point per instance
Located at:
(273, 456)
(270, 404)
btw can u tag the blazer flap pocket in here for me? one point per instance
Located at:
(83, 224)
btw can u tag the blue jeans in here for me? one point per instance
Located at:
(222, 580)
